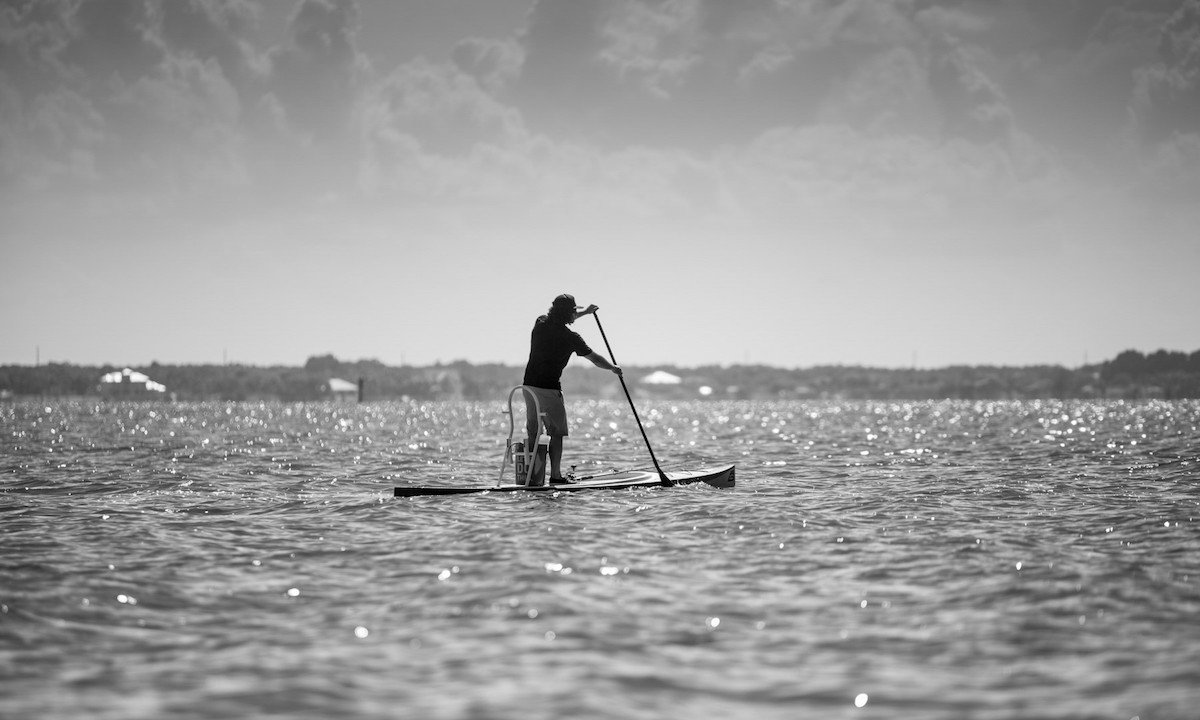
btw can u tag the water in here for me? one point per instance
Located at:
(877, 560)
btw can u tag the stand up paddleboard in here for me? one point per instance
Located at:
(529, 463)
(722, 477)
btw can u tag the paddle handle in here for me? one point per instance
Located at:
(662, 476)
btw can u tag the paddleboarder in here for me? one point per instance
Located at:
(551, 345)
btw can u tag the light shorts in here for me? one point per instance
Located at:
(554, 410)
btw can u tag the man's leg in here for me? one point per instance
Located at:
(531, 424)
(556, 447)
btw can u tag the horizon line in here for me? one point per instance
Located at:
(443, 363)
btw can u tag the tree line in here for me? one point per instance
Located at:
(1132, 374)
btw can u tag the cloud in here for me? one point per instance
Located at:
(431, 131)
(174, 95)
(672, 106)
(113, 41)
(317, 74)
(803, 109)
(48, 133)
(1168, 92)
(184, 120)
(494, 63)
(1167, 108)
(434, 134)
(889, 94)
(700, 73)
(884, 187)
(562, 42)
(973, 105)
(218, 31)
(98, 97)
(48, 141)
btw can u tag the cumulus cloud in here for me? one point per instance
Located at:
(317, 74)
(700, 73)
(97, 95)
(1167, 107)
(494, 63)
(800, 106)
(220, 32)
(973, 105)
(1168, 92)
(432, 131)
(680, 105)
(48, 131)
(883, 184)
(113, 41)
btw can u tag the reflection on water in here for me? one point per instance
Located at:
(882, 560)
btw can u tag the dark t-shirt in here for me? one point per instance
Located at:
(550, 348)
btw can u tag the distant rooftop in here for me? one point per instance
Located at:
(133, 378)
(339, 385)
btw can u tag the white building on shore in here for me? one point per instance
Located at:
(340, 390)
(132, 385)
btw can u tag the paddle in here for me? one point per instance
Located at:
(662, 476)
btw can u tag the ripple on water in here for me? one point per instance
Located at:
(906, 559)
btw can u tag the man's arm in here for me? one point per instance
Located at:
(602, 362)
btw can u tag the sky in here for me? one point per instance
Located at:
(784, 182)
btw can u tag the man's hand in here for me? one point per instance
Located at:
(590, 310)
(617, 369)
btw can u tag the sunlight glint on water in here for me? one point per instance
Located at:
(882, 560)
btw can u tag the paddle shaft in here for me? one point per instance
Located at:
(661, 475)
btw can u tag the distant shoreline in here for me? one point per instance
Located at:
(1131, 375)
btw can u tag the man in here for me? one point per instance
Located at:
(550, 347)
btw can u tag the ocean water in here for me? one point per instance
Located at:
(876, 560)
